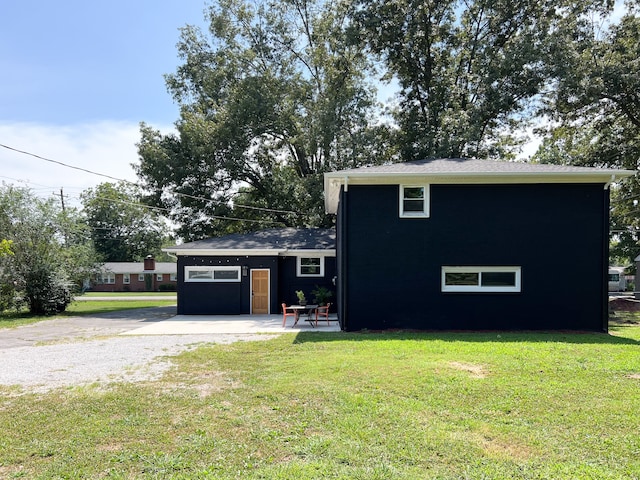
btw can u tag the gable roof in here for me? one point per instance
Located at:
(275, 241)
(461, 171)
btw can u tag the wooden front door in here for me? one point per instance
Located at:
(259, 291)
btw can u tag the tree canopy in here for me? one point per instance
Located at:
(122, 228)
(271, 98)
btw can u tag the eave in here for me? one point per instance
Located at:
(333, 181)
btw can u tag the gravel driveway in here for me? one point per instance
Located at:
(85, 350)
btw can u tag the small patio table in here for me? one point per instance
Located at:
(301, 309)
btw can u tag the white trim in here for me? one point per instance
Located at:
(211, 278)
(141, 277)
(425, 202)
(299, 266)
(479, 287)
(126, 278)
(268, 288)
(159, 277)
(334, 180)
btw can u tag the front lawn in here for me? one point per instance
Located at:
(349, 406)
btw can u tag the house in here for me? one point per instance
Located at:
(253, 273)
(472, 245)
(147, 276)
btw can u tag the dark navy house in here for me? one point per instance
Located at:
(471, 244)
(253, 273)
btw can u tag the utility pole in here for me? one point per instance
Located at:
(62, 199)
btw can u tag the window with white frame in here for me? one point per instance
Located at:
(159, 277)
(108, 278)
(481, 279)
(174, 277)
(310, 266)
(141, 277)
(211, 274)
(126, 278)
(414, 201)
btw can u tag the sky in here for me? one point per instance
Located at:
(76, 79)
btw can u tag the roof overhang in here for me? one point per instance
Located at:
(210, 252)
(333, 181)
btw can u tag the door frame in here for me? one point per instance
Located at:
(268, 270)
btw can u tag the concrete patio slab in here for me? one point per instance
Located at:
(231, 324)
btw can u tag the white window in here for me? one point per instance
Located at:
(126, 278)
(174, 277)
(108, 278)
(310, 266)
(211, 274)
(481, 279)
(414, 201)
(141, 277)
(159, 277)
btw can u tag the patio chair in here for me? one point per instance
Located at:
(288, 312)
(323, 312)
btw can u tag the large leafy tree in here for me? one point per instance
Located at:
(594, 112)
(271, 98)
(468, 70)
(49, 255)
(122, 228)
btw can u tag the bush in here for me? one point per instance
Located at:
(46, 292)
(167, 287)
(9, 298)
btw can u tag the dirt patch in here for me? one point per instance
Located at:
(476, 371)
(635, 376)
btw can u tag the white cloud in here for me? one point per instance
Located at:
(104, 147)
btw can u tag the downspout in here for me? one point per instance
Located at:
(343, 276)
(605, 258)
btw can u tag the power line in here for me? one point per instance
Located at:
(63, 164)
(270, 210)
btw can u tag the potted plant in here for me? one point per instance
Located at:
(302, 300)
(321, 295)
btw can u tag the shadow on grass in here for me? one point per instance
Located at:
(481, 336)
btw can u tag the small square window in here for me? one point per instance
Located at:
(141, 277)
(159, 277)
(310, 266)
(414, 201)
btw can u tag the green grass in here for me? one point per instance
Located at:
(84, 307)
(349, 406)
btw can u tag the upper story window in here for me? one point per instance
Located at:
(414, 201)
(310, 266)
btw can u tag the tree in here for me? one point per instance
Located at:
(594, 112)
(469, 71)
(272, 99)
(48, 252)
(123, 229)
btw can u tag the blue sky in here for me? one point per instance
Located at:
(78, 77)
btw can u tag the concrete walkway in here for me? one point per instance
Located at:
(231, 324)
